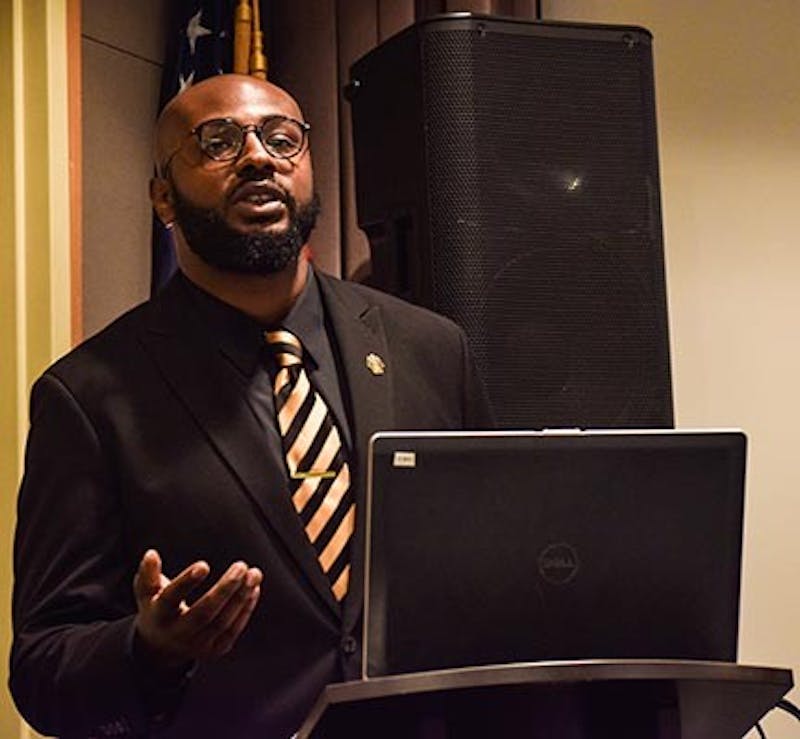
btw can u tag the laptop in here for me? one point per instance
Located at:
(501, 547)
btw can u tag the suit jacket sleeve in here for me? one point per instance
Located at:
(71, 669)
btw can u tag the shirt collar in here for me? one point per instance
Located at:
(241, 338)
(306, 319)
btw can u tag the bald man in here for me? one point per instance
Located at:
(178, 570)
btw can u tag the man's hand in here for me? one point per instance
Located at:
(174, 633)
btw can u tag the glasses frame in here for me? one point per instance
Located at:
(256, 128)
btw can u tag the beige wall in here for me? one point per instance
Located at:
(122, 51)
(729, 129)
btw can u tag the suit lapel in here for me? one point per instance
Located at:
(358, 328)
(200, 376)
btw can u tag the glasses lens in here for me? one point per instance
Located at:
(282, 137)
(220, 139)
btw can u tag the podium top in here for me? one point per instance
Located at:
(719, 699)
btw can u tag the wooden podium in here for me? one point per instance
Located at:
(594, 699)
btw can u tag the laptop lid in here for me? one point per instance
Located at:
(497, 547)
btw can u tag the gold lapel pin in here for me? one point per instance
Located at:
(375, 364)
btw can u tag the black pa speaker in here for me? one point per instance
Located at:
(507, 177)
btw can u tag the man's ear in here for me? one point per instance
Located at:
(162, 200)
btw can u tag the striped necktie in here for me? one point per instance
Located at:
(319, 476)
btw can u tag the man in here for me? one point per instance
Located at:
(163, 453)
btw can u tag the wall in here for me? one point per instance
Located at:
(729, 129)
(35, 231)
(9, 372)
(122, 48)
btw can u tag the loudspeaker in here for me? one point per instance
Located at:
(507, 177)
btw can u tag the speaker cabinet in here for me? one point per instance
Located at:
(507, 177)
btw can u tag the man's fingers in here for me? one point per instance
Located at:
(224, 641)
(207, 628)
(221, 634)
(179, 588)
(148, 579)
(238, 601)
(222, 616)
(208, 607)
(254, 577)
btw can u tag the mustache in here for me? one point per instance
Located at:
(259, 186)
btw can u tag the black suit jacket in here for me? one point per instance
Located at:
(139, 438)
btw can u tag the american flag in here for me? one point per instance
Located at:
(199, 45)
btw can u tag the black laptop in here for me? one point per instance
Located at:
(487, 548)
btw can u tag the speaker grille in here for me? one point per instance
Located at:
(542, 200)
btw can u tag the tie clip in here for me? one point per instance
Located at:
(322, 474)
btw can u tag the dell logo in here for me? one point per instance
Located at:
(558, 563)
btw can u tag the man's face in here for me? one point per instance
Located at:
(251, 214)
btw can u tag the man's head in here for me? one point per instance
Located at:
(234, 174)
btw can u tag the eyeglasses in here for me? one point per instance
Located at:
(222, 139)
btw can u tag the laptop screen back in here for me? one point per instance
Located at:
(521, 546)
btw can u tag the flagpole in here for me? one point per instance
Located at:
(258, 61)
(242, 23)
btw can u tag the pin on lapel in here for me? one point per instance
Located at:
(375, 364)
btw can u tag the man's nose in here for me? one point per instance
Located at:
(255, 155)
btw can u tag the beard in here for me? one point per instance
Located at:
(217, 244)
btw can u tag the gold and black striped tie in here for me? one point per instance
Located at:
(319, 477)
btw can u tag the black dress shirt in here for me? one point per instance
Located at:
(241, 339)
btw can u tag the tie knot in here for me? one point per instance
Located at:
(286, 347)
